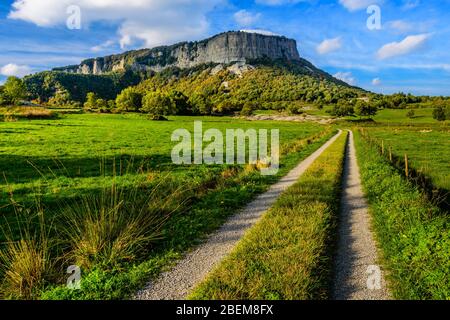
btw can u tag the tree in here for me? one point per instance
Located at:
(3, 98)
(365, 109)
(342, 109)
(14, 90)
(129, 100)
(61, 98)
(158, 105)
(181, 103)
(91, 101)
(200, 104)
(439, 114)
(411, 114)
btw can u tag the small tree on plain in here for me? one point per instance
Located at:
(14, 90)
(439, 114)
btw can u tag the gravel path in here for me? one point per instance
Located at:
(356, 267)
(194, 267)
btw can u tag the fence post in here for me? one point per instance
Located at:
(382, 147)
(406, 166)
(390, 154)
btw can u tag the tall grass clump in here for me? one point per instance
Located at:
(414, 234)
(287, 255)
(117, 225)
(27, 264)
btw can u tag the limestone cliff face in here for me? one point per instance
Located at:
(224, 48)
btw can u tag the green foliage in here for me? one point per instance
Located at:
(248, 109)
(342, 109)
(411, 114)
(45, 85)
(440, 114)
(13, 91)
(129, 100)
(157, 104)
(365, 109)
(181, 103)
(200, 103)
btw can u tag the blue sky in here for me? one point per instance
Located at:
(410, 52)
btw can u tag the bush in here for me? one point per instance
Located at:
(200, 104)
(248, 109)
(411, 114)
(439, 114)
(158, 105)
(129, 100)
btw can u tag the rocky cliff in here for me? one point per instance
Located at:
(224, 48)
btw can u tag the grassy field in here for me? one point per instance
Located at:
(427, 149)
(413, 234)
(80, 153)
(288, 254)
(74, 176)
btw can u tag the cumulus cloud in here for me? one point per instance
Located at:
(12, 69)
(346, 77)
(154, 22)
(406, 46)
(354, 5)
(376, 82)
(245, 18)
(329, 45)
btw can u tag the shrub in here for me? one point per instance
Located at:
(411, 114)
(439, 114)
(130, 99)
(158, 105)
(248, 109)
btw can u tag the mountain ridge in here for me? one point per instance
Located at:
(223, 48)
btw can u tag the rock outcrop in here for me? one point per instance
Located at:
(225, 48)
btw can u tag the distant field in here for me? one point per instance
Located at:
(424, 115)
(427, 149)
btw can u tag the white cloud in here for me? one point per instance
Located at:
(12, 69)
(153, 22)
(376, 82)
(354, 5)
(406, 46)
(329, 45)
(346, 77)
(258, 31)
(245, 18)
(103, 46)
(400, 26)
